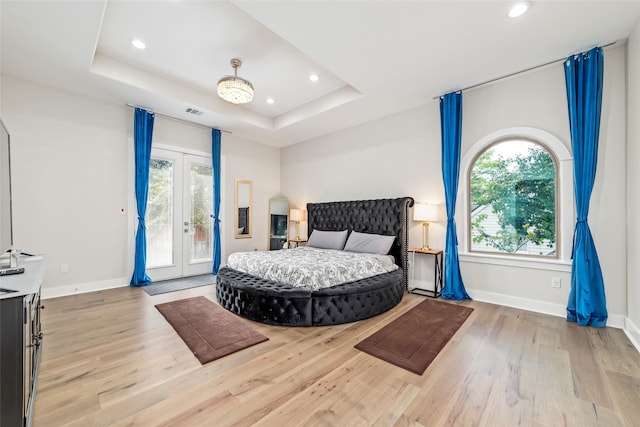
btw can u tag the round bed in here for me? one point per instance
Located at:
(280, 304)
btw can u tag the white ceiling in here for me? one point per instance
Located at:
(374, 58)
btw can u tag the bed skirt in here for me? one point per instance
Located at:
(279, 304)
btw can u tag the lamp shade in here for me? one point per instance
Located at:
(296, 215)
(426, 212)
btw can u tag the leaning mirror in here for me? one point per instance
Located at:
(278, 223)
(244, 196)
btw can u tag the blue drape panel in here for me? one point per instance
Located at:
(143, 131)
(215, 151)
(583, 74)
(451, 129)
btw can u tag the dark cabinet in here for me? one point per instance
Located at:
(276, 243)
(20, 349)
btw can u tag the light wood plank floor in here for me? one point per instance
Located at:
(110, 358)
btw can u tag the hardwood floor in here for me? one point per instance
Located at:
(110, 358)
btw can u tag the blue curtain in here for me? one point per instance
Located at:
(143, 130)
(215, 150)
(583, 74)
(451, 129)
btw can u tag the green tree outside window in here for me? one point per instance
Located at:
(513, 199)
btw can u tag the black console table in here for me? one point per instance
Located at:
(437, 272)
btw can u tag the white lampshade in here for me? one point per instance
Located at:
(426, 212)
(296, 215)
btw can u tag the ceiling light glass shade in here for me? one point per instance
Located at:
(234, 89)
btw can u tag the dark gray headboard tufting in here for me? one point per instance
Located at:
(381, 216)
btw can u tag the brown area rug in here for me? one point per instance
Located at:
(414, 339)
(209, 330)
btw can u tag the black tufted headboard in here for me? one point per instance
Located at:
(381, 216)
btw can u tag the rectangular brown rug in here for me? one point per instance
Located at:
(414, 339)
(209, 330)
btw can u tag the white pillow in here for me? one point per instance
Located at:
(327, 239)
(369, 243)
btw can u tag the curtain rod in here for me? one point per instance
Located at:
(176, 118)
(516, 73)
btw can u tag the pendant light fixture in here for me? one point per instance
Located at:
(234, 89)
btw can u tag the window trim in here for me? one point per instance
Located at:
(565, 208)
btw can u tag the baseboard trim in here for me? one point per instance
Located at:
(82, 288)
(633, 333)
(553, 309)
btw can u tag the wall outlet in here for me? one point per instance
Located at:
(64, 268)
(555, 282)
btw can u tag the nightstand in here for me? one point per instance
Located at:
(296, 242)
(437, 273)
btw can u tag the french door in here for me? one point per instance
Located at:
(178, 217)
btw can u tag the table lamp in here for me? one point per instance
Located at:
(425, 213)
(296, 215)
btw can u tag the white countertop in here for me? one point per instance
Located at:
(26, 283)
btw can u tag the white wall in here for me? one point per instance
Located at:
(71, 170)
(395, 156)
(633, 185)
(400, 155)
(257, 163)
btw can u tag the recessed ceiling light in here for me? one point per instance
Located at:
(314, 77)
(270, 101)
(519, 9)
(138, 43)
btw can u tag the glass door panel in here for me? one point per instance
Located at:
(163, 216)
(159, 217)
(198, 208)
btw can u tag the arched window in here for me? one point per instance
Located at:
(513, 196)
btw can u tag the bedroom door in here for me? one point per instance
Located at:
(178, 218)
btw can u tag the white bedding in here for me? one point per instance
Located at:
(311, 268)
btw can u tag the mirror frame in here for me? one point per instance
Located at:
(269, 234)
(248, 234)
